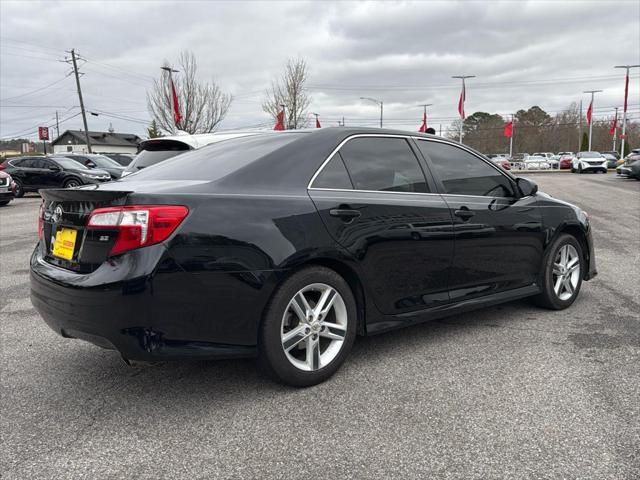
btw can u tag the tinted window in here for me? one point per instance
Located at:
(25, 163)
(383, 164)
(67, 163)
(333, 175)
(217, 160)
(39, 163)
(462, 173)
(146, 158)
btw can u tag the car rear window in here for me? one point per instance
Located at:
(217, 160)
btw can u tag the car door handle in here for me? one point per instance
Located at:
(464, 213)
(344, 213)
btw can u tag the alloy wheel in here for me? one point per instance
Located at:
(566, 272)
(314, 326)
(72, 183)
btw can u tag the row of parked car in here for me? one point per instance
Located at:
(582, 162)
(20, 175)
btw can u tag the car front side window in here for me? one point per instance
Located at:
(462, 173)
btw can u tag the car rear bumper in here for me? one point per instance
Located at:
(146, 317)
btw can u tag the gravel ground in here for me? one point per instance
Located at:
(506, 392)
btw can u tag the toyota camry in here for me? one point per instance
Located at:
(286, 246)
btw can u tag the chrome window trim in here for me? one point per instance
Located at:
(406, 137)
(335, 150)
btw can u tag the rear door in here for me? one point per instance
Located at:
(28, 173)
(376, 202)
(498, 235)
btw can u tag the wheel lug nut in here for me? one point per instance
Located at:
(315, 337)
(307, 330)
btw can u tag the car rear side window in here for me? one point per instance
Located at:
(383, 164)
(462, 173)
(334, 175)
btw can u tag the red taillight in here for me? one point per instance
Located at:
(2, 166)
(41, 221)
(138, 225)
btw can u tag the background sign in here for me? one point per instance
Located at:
(43, 133)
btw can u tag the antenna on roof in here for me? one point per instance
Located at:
(111, 130)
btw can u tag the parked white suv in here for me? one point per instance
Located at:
(589, 162)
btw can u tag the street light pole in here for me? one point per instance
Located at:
(463, 96)
(624, 110)
(379, 102)
(590, 120)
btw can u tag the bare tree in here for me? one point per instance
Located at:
(202, 104)
(289, 91)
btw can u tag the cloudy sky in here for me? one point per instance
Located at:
(404, 53)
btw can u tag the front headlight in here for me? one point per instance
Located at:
(91, 175)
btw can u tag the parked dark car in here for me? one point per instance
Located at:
(33, 173)
(630, 168)
(100, 162)
(7, 188)
(286, 246)
(123, 159)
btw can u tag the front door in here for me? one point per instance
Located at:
(498, 235)
(376, 202)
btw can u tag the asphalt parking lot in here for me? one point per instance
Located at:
(507, 392)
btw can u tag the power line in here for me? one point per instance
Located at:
(34, 91)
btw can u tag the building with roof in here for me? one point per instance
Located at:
(101, 142)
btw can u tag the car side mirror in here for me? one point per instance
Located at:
(90, 164)
(527, 187)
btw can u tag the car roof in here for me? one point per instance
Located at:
(201, 139)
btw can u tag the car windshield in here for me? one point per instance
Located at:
(590, 155)
(104, 162)
(146, 158)
(217, 160)
(68, 163)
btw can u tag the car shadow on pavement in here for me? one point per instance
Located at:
(94, 371)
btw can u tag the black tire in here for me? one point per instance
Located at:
(4, 202)
(19, 193)
(72, 182)
(573, 170)
(580, 169)
(548, 297)
(271, 354)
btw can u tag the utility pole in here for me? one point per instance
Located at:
(624, 110)
(590, 120)
(57, 125)
(615, 131)
(463, 96)
(379, 102)
(84, 115)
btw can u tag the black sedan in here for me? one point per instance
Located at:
(285, 246)
(33, 173)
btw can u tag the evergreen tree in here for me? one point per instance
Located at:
(585, 142)
(627, 149)
(153, 131)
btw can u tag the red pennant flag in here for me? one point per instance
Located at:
(176, 106)
(279, 121)
(614, 125)
(317, 122)
(508, 129)
(461, 102)
(589, 112)
(423, 127)
(626, 90)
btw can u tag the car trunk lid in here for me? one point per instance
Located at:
(64, 216)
